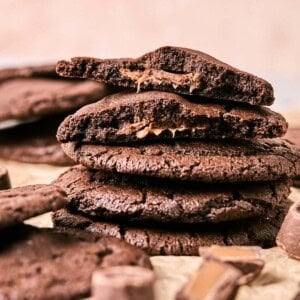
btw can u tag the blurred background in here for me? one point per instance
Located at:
(261, 37)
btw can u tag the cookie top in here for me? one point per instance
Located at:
(207, 161)
(19, 204)
(174, 69)
(166, 240)
(38, 91)
(4, 179)
(131, 117)
(120, 197)
(34, 142)
(41, 264)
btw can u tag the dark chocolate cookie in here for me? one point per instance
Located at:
(131, 117)
(173, 69)
(34, 143)
(163, 240)
(41, 264)
(293, 135)
(38, 91)
(207, 161)
(19, 204)
(126, 198)
(4, 179)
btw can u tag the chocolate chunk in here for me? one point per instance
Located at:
(177, 240)
(213, 281)
(176, 70)
(247, 259)
(40, 264)
(4, 179)
(288, 237)
(122, 197)
(38, 91)
(207, 161)
(34, 142)
(123, 283)
(19, 204)
(131, 117)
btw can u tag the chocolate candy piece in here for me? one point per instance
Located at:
(247, 259)
(176, 70)
(19, 204)
(123, 283)
(213, 281)
(4, 179)
(288, 237)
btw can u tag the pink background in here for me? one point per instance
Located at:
(258, 36)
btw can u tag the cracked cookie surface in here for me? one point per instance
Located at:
(164, 240)
(119, 197)
(42, 264)
(207, 161)
(173, 69)
(150, 116)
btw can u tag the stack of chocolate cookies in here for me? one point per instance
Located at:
(187, 156)
(33, 102)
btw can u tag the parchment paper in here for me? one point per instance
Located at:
(279, 280)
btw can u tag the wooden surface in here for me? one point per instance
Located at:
(279, 280)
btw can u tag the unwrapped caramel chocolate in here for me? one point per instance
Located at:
(247, 259)
(123, 283)
(213, 281)
(288, 237)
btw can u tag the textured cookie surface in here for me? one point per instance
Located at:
(41, 264)
(173, 69)
(178, 241)
(38, 91)
(34, 143)
(208, 161)
(130, 198)
(131, 117)
(19, 204)
(293, 135)
(4, 179)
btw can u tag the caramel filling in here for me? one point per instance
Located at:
(142, 130)
(204, 281)
(193, 80)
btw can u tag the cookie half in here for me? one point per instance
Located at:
(39, 91)
(163, 240)
(4, 179)
(19, 204)
(131, 117)
(41, 264)
(176, 70)
(120, 197)
(207, 161)
(34, 143)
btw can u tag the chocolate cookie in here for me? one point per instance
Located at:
(19, 204)
(207, 161)
(129, 198)
(41, 264)
(4, 179)
(38, 91)
(164, 240)
(173, 69)
(34, 143)
(293, 135)
(131, 117)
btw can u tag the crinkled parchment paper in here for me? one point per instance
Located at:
(279, 280)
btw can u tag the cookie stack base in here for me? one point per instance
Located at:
(179, 239)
